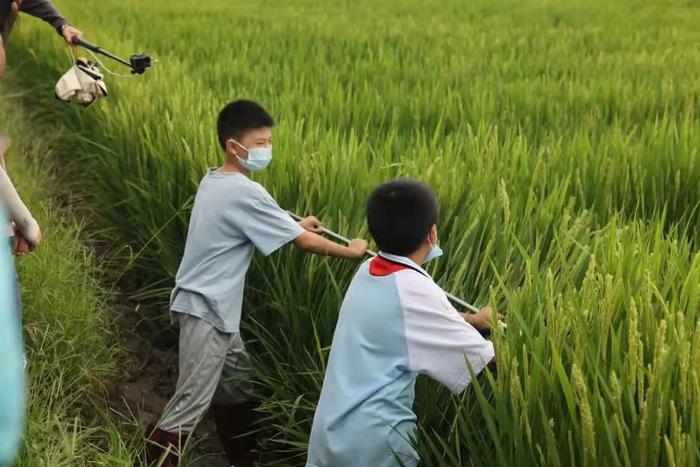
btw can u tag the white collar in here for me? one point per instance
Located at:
(403, 260)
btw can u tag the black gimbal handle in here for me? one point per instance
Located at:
(138, 64)
(99, 50)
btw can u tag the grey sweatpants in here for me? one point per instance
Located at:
(214, 368)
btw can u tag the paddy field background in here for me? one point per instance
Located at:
(560, 137)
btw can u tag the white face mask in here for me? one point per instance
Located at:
(258, 158)
(82, 84)
(435, 252)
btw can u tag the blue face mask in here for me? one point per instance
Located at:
(258, 158)
(436, 252)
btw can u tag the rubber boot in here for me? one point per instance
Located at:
(235, 427)
(161, 444)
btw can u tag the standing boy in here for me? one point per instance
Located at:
(395, 322)
(232, 216)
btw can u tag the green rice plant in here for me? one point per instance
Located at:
(560, 137)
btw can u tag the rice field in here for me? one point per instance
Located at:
(561, 138)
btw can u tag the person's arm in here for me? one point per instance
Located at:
(45, 10)
(440, 343)
(26, 225)
(480, 320)
(5, 144)
(269, 228)
(312, 224)
(314, 243)
(2, 57)
(8, 16)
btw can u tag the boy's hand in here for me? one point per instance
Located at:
(481, 320)
(312, 224)
(358, 246)
(27, 240)
(20, 246)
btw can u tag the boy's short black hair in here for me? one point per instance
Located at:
(240, 116)
(400, 214)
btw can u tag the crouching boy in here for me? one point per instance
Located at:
(395, 322)
(231, 217)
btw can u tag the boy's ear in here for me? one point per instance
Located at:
(433, 235)
(231, 147)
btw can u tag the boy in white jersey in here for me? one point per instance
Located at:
(231, 217)
(395, 322)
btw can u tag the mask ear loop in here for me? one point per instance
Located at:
(240, 146)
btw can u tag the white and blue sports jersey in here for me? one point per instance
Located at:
(395, 322)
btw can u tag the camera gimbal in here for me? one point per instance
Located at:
(138, 63)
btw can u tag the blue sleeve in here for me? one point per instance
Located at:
(11, 358)
(268, 226)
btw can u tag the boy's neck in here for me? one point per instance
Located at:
(418, 257)
(230, 167)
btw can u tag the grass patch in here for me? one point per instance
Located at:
(69, 341)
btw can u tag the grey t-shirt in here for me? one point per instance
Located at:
(231, 216)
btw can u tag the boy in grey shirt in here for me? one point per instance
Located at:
(231, 217)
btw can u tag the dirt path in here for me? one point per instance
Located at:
(147, 377)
